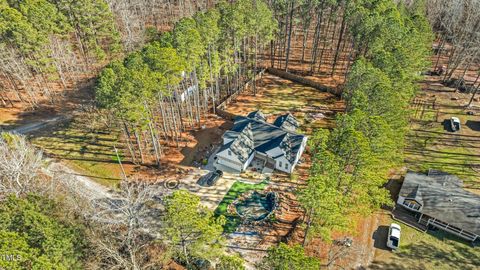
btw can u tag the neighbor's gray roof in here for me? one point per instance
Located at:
(265, 137)
(443, 197)
(287, 121)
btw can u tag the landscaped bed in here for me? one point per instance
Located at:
(238, 188)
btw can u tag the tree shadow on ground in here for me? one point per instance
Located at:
(64, 103)
(416, 255)
(473, 125)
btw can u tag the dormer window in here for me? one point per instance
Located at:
(229, 152)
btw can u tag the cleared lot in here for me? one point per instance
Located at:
(432, 144)
(276, 96)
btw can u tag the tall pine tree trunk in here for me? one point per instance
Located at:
(316, 38)
(340, 39)
(290, 28)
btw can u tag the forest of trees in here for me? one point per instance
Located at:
(326, 36)
(456, 25)
(51, 41)
(155, 93)
(352, 162)
(49, 46)
(162, 65)
(48, 222)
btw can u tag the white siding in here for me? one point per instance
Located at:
(229, 163)
(232, 160)
(299, 153)
(280, 164)
(224, 154)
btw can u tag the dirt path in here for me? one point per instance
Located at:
(88, 188)
(366, 245)
(40, 124)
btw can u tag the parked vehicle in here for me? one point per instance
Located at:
(393, 239)
(455, 124)
(210, 179)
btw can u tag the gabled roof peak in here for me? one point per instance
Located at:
(257, 115)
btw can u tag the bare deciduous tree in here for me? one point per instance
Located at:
(123, 228)
(457, 25)
(20, 165)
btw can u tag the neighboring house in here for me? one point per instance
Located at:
(271, 147)
(442, 202)
(182, 96)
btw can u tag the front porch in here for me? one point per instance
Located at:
(262, 164)
(451, 229)
(409, 218)
(423, 222)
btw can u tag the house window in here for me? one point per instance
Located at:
(229, 152)
(286, 166)
(412, 204)
(280, 164)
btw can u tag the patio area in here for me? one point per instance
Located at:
(261, 164)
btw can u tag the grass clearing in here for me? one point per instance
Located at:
(276, 96)
(423, 251)
(431, 144)
(90, 153)
(238, 188)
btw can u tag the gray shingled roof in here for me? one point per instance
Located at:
(257, 115)
(443, 197)
(287, 121)
(264, 137)
(240, 142)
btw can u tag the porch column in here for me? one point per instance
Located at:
(419, 219)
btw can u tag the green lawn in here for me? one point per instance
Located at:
(88, 152)
(277, 96)
(430, 145)
(235, 191)
(424, 251)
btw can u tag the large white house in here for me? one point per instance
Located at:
(270, 146)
